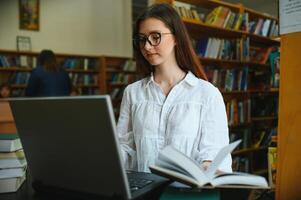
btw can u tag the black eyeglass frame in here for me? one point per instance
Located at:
(137, 39)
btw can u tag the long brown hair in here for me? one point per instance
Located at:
(47, 60)
(184, 52)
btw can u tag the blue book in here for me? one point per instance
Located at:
(201, 46)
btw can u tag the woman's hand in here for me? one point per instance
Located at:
(206, 164)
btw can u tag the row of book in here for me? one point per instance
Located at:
(8, 61)
(187, 11)
(228, 79)
(20, 78)
(263, 138)
(264, 27)
(79, 63)
(238, 112)
(227, 49)
(253, 139)
(13, 164)
(83, 79)
(224, 17)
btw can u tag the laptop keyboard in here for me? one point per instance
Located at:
(136, 184)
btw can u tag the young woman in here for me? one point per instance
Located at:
(48, 79)
(175, 104)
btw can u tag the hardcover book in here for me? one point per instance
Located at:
(175, 165)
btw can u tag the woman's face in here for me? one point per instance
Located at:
(161, 50)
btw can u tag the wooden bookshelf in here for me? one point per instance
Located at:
(247, 151)
(14, 69)
(229, 64)
(199, 29)
(82, 67)
(18, 86)
(210, 4)
(116, 74)
(241, 126)
(261, 172)
(268, 118)
(256, 14)
(82, 71)
(243, 95)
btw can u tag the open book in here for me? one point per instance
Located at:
(175, 165)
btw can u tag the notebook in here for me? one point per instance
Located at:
(71, 145)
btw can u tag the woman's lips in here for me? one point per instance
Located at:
(151, 55)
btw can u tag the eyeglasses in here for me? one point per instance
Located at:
(153, 39)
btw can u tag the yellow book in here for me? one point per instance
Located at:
(238, 22)
(272, 161)
(212, 17)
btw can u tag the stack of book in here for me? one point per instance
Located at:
(12, 163)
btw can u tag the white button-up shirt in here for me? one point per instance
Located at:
(192, 118)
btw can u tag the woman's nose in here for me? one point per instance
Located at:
(147, 45)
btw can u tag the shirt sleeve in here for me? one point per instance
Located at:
(214, 132)
(125, 133)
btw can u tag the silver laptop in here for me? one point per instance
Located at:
(71, 145)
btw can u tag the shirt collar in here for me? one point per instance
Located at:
(149, 80)
(190, 78)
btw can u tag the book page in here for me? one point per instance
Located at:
(240, 179)
(177, 158)
(168, 165)
(219, 158)
(175, 176)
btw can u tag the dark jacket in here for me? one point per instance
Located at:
(43, 83)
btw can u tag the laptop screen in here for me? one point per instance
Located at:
(71, 143)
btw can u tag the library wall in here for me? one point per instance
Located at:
(77, 26)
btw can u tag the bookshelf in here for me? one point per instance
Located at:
(289, 138)
(15, 68)
(234, 44)
(116, 74)
(89, 74)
